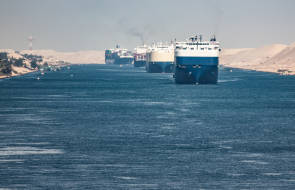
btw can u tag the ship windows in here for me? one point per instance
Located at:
(202, 48)
(209, 48)
(192, 48)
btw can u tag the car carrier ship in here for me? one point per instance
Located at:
(196, 61)
(160, 58)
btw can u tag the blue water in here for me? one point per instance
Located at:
(111, 127)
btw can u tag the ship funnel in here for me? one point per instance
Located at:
(213, 39)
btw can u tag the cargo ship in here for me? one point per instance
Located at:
(123, 57)
(109, 56)
(140, 56)
(196, 61)
(160, 59)
(118, 56)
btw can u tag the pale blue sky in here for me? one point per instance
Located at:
(71, 25)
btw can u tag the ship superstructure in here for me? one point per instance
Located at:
(124, 57)
(196, 61)
(160, 58)
(140, 56)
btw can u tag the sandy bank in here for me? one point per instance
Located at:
(16, 71)
(80, 57)
(277, 58)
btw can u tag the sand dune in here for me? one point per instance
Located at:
(285, 57)
(80, 57)
(272, 58)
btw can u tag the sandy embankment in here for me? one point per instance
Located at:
(277, 58)
(54, 58)
(17, 70)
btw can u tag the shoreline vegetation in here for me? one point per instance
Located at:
(276, 58)
(14, 63)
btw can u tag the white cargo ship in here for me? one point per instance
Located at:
(140, 56)
(160, 58)
(196, 61)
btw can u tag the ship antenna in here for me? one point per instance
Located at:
(30, 39)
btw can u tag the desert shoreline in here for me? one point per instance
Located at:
(15, 75)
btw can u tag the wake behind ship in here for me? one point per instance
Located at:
(196, 61)
(118, 56)
(160, 59)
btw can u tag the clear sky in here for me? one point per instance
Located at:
(72, 25)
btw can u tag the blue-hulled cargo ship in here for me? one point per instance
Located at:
(118, 56)
(109, 56)
(196, 61)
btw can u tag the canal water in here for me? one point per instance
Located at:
(111, 127)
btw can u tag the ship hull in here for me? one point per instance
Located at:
(139, 63)
(196, 70)
(108, 58)
(109, 61)
(123, 61)
(159, 67)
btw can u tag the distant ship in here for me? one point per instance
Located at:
(109, 56)
(196, 61)
(118, 56)
(140, 56)
(160, 59)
